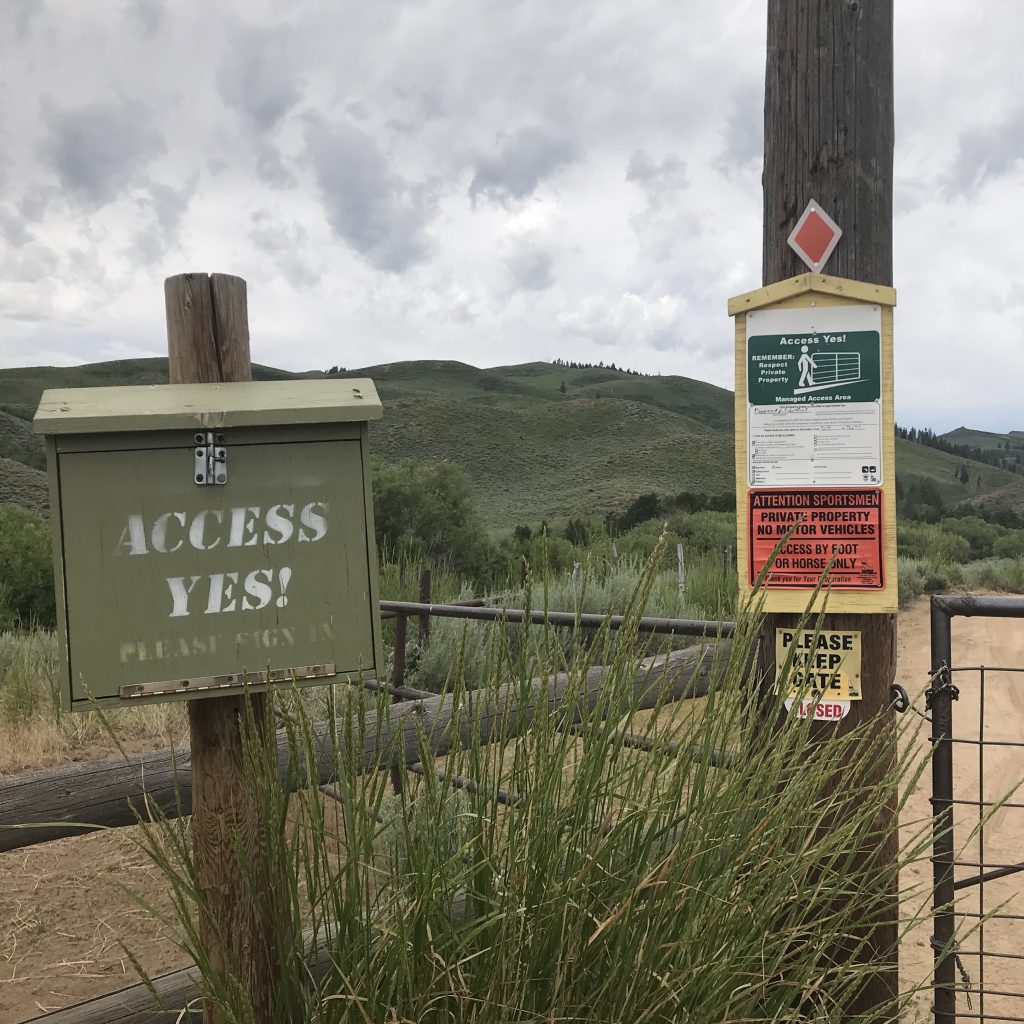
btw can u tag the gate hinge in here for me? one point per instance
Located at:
(211, 458)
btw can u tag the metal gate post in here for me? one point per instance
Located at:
(943, 936)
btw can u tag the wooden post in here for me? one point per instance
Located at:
(828, 136)
(398, 679)
(425, 584)
(681, 559)
(208, 342)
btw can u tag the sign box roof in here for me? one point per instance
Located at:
(207, 406)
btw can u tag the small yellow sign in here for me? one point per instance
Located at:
(824, 661)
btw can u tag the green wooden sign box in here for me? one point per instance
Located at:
(211, 537)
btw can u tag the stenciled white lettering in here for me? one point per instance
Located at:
(180, 592)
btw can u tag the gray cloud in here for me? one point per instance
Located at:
(985, 152)
(375, 210)
(521, 163)
(13, 228)
(169, 203)
(97, 149)
(743, 141)
(21, 13)
(530, 266)
(656, 179)
(258, 77)
(662, 223)
(168, 206)
(270, 166)
(148, 14)
(285, 244)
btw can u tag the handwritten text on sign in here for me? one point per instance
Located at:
(212, 529)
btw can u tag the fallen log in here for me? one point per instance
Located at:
(40, 806)
(174, 997)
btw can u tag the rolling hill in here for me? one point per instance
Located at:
(532, 450)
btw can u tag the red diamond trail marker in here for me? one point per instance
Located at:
(815, 236)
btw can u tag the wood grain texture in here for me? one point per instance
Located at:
(829, 136)
(56, 803)
(175, 998)
(829, 132)
(208, 342)
(191, 345)
(231, 326)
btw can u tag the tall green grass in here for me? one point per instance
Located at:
(28, 673)
(710, 594)
(614, 886)
(935, 575)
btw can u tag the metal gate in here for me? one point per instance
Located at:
(978, 935)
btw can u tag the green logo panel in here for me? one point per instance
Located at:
(815, 368)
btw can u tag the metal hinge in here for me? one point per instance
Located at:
(198, 684)
(211, 458)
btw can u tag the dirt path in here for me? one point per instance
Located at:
(65, 911)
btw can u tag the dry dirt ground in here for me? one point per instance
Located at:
(67, 916)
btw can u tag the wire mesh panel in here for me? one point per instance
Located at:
(978, 731)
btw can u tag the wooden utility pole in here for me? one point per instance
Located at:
(208, 343)
(828, 136)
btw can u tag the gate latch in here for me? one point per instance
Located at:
(211, 458)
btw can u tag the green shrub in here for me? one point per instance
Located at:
(1010, 545)
(932, 543)
(978, 533)
(705, 532)
(639, 544)
(1005, 574)
(910, 574)
(426, 510)
(26, 570)
(645, 507)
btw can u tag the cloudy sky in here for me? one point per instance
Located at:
(492, 181)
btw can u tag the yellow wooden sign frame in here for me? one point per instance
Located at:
(797, 293)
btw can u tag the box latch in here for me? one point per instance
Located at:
(211, 458)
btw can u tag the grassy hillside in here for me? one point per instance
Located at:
(19, 443)
(531, 450)
(534, 452)
(985, 439)
(23, 485)
(984, 481)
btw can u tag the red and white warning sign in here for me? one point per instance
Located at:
(820, 709)
(815, 236)
(838, 531)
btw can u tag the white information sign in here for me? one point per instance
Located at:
(806, 445)
(814, 397)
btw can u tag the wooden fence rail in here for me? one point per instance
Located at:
(59, 802)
